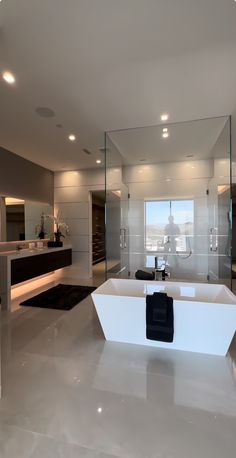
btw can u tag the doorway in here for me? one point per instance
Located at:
(117, 233)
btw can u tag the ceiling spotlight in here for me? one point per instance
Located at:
(8, 77)
(164, 117)
(72, 137)
(165, 129)
(165, 135)
(98, 161)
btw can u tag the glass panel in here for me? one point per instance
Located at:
(117, 207)
(182, 212)
(156, 214)
(179, 210)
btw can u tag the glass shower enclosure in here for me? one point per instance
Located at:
(168, 200)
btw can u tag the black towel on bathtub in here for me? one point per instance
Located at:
(159, 317)
(143, 275)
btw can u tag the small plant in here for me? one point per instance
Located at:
(59, 226)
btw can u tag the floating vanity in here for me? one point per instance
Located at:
(204, 314)
(20, 266)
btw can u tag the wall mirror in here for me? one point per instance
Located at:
(21, 219)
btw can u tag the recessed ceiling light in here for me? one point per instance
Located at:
(8, 77)
(164, 117)
(165, 129)
(72, 137)
(98, 161)
(165, 135)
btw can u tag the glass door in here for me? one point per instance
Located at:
(117, 232)
(220, 212)
(117, 213)
(220, 268)
(124, 232)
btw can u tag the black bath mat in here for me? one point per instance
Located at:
(60, 297)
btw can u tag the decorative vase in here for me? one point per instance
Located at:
(58, 235)
(41, 235)
(57, 242)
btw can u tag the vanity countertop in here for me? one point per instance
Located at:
(26, 252)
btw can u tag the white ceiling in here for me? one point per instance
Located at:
(109, 64)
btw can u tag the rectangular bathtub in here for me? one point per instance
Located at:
(204, 314)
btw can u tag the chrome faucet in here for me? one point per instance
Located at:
(19, 247)
(160, 270)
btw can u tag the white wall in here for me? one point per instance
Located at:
(72, 197)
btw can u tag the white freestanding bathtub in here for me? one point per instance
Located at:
(204, 314)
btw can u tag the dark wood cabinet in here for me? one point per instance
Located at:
(24, 268)
(98, 233)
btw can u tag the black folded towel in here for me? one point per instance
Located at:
(143, 275)
(159, 317)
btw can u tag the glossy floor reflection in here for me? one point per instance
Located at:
(68, 393)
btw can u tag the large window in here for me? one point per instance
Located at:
(169, 225)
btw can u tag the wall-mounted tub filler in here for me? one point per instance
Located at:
(161, 270)
(204, 315)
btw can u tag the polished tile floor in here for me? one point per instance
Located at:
(68, 393)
